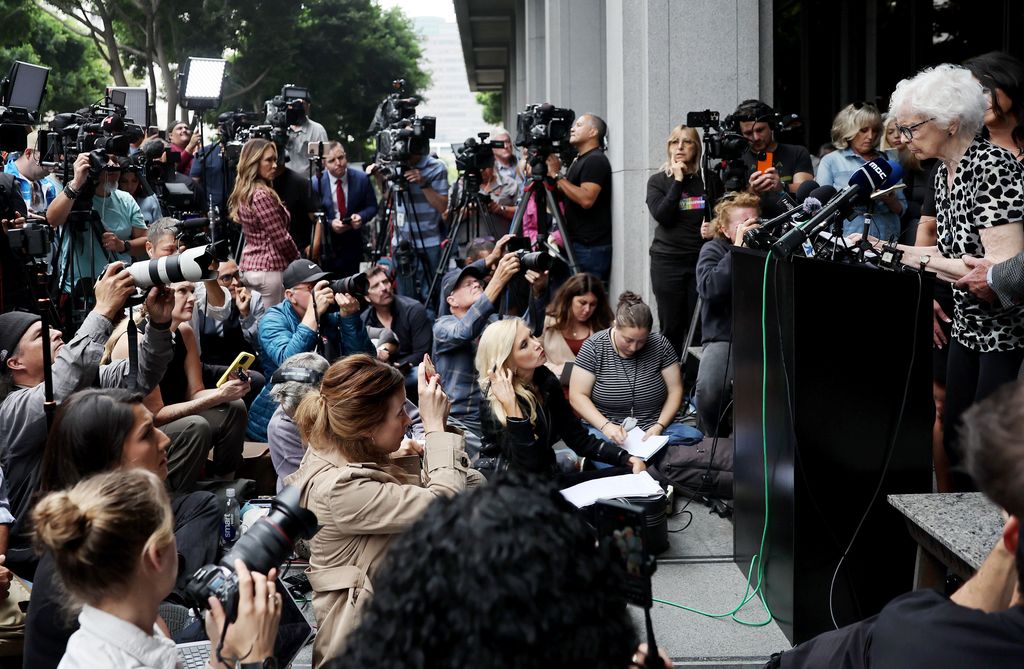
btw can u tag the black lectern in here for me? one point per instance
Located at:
(839, 346)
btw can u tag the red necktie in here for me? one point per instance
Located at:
(342, 209)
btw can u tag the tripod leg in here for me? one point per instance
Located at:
(446, 256)
(516, 226)
(556, 214)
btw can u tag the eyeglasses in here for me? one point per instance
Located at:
(907, 131)
(228, 278)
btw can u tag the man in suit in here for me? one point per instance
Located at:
(350, 203)
(1004, 281)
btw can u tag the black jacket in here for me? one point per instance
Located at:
(523, 446)
(714, 285)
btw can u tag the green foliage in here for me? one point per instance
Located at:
(78, 74)
(492, 103)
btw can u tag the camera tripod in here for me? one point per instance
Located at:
(471, 206)
(398, 197)
(541, 188)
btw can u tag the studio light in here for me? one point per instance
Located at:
(200, 83)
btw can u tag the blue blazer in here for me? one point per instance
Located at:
(342, 253)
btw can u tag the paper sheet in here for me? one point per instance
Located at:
(611, 487)
(636, 445)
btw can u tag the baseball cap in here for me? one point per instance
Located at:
(13, 326)
(303, 271)
(452, 279)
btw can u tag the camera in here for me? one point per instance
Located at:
(622, 536)
(544, 127)
(236, 128)
(193, 232)
(32, 239)
(721, 141)
(538, 261)
(356, 285)
(474, 155)
(265, 546)
(190, 265)
(400, 134)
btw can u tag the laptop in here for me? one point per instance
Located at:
(292, 635)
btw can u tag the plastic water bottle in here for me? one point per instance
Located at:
(230, 521)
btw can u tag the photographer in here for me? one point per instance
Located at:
(34, 182)
(98, 431)
(465, 310)
(587, 188)
(791, 164)
(221, 340)
(404, 316)
(85, 249)
(300, 134)
(182, 141)
(311, 317)
(350, 203)
(423, 227)
(353, 425)
(23, 425)
(115, 552)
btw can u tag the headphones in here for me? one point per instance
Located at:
(297, 374)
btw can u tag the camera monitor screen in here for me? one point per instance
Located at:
(26, 86)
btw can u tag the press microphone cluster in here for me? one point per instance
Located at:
(873, 175)
(768, 231)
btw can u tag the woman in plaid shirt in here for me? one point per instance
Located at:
(257, 208)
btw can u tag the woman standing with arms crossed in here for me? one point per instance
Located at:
(678, 198)
(258, 209)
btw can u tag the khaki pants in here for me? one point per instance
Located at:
(270, 285)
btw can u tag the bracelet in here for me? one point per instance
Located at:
(124, 246)
(70, 193)
(660, 425)
(604, 426)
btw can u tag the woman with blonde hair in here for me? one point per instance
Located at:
(680, 196)
(524, 411)
(255, 206)
(348, 477)
(856, 133)
(112, 540)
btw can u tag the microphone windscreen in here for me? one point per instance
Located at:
(805, 189)
(823, 193)
(895, 176)
(811, 204)
(872, 175)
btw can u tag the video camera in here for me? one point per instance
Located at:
(266, 545)
(400, 134)
(544, 128)
(472, 156)
(193, 232)
(236, 128)
(32, 239)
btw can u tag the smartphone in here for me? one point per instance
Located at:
(622, 533)
(429, 368)
(315, 149)
(765, 161)
(242, 362)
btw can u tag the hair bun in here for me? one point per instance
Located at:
(629, 298)
(61, 523)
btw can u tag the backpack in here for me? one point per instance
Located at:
(691, 471)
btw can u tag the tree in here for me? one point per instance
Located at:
(77, 73)
(491, 103)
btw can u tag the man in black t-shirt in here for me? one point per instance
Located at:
(587, 192)
(297, 196)
(791, 164)
(982, 623)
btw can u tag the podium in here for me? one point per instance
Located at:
(840, 339)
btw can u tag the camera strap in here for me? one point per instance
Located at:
(133, 352)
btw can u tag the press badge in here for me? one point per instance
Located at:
(399, 219)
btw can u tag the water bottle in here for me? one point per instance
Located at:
(230, 521)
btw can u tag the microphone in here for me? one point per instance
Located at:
(863, 182)
(805, 189)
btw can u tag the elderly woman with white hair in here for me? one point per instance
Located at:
(293, 380)
(856, 134)
(979, 202)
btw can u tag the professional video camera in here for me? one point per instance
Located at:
(192, 232)
(99, 130)
(544, 128)
(32, 239)
(265, 546)
(400, 134)
(236, 128)
(472, 155)
(722, 143)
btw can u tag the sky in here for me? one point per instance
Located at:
(443, 8)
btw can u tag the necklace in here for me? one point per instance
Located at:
(630, 422)
(586, 332)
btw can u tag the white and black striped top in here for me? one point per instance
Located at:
(616, 378)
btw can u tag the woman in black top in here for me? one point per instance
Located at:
(525, 412)
(678, 199)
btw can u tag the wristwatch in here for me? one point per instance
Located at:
(268, 663)
(924, 262)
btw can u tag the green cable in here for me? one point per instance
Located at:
(747, 593)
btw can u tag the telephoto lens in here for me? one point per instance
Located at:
(190, 265)
(266, 545)
(537, 261)
(356, 285)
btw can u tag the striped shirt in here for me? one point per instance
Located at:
(268, 245)
(627, 386)
(422, 224)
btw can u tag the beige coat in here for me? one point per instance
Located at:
(557, 351)
(361, 507)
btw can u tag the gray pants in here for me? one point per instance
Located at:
(221, 428)
(714, 387)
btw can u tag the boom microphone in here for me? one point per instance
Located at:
(870, 177)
